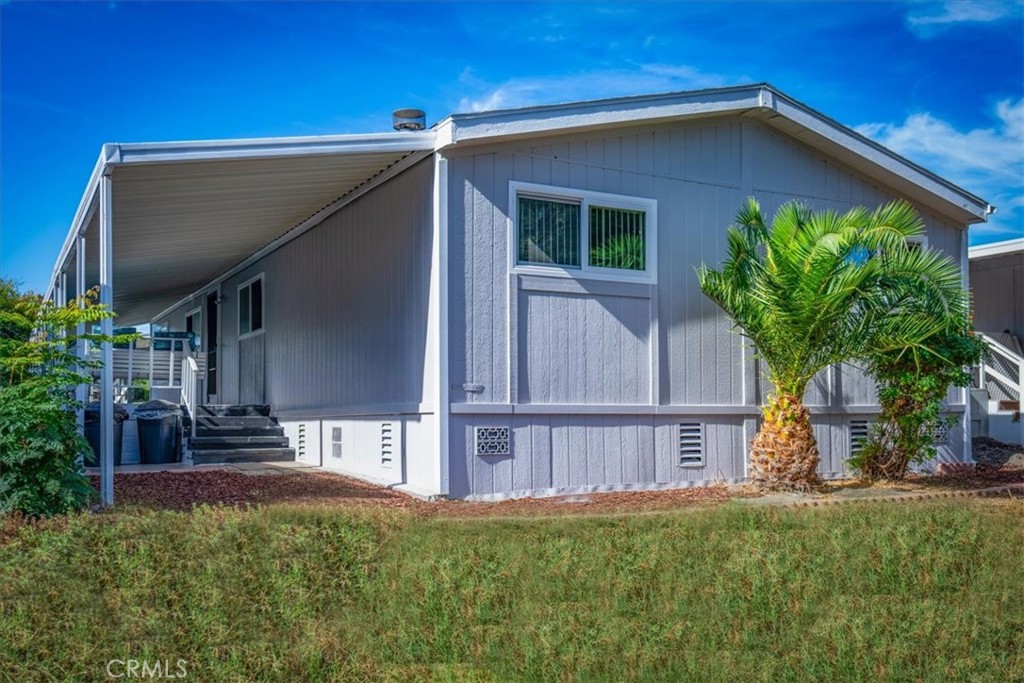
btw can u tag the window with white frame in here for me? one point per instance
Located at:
(250, 306)
(582, 234)
(194, 326)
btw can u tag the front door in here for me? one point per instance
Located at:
(211, 347)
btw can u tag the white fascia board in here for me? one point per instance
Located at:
(1003, 248)
(87, 206)
(601, 113)
(877, 154)
(221, 150)
(496, 125)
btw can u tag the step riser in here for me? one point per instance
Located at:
(233, 411)
(233, 456)
(238, 443)
(232, 432)
(251, 422)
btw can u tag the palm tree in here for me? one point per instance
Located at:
(813, 289)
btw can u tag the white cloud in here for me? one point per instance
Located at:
(644, 79)
(986, 161)
(931, 17)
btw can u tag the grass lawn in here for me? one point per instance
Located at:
(915, 591)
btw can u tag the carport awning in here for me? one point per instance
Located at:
(186, 213)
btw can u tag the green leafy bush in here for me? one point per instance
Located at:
(912, 386)
(40, 446)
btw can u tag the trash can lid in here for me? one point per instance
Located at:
(158, 405)
(93, 409)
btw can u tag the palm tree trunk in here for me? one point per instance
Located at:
(784, 453)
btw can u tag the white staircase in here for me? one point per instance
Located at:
(996, 398)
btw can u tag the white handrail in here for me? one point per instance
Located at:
(189, 390)
(1014, 386)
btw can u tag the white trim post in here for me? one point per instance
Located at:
(107, 328)
(439, 300)
(81, 346)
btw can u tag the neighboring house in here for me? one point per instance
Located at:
(505, 304)
(997, 287)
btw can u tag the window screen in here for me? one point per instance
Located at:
(617, 238)
(549, 232)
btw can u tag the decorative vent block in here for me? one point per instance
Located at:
(336, 442)
(858, 435)
(940, 432)
(387, 444)
(492, 441)
(691, 444)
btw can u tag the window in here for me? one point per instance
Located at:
(575, 233)
(250, 306)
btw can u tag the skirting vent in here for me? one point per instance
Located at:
(387, 444)
(858, 435)
(336, 443)
(940, 432)
(300, 447)
(492, 441)
(691, 444)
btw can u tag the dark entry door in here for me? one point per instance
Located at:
(211, 345)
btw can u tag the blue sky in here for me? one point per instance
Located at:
(940, 82)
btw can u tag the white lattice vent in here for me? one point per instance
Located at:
(336, 443)
(492, 441)
(691, 444)
(387, 444)
(859, 430)
(940, 432)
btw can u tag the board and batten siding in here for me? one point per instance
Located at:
(997, 284)
(345, 339)
(594, 378)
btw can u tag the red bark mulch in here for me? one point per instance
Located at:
(181, 490)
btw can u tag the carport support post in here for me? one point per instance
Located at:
(107, 328)
(81, 349)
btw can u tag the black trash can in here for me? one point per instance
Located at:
(159, 432)
(92, 432)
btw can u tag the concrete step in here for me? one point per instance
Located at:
(234, 411)
(204, 443)
(230, 431)
(225, 456)
(243, 421)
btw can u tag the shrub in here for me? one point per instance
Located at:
(40, 446)
(912, 386)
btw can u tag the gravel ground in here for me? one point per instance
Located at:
(181, 490)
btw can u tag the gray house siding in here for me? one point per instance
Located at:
(594, 378)
(345, 341)
(997, 283)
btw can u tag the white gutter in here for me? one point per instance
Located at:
(997, 249)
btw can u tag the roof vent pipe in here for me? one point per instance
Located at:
(408, 119)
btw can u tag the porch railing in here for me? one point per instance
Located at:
(1004, 367)
(189, 389)
(142, 360)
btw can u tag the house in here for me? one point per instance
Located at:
(504, 304)
(997, 288)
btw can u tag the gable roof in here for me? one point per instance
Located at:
(759, 101)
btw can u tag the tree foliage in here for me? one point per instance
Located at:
(40, 446)
(814, 288)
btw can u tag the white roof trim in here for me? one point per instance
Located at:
(1003, 248)
(574, 117)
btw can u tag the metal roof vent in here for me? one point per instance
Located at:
(408, 119)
